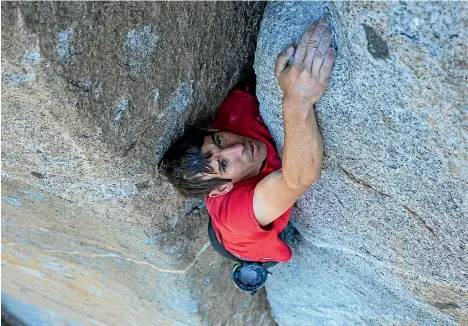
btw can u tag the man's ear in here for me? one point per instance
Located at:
(221, 190)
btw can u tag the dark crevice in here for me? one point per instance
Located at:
(9, 319)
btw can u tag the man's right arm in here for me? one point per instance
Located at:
(303, 81)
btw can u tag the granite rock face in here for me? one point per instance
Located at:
(92, 94)
(383, 233)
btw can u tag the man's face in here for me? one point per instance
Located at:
(234, 156)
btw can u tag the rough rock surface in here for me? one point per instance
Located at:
(92, 93)
(384, 230)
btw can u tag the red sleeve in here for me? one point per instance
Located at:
(236, 207)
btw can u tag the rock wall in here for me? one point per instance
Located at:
(383, 233)
(92, 94)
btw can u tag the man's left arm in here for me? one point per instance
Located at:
(304, 81)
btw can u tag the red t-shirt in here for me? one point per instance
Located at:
(232, 214)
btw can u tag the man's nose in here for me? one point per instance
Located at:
(234, 149)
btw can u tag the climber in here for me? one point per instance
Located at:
(249, 196)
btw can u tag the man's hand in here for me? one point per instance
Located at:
(306, 79)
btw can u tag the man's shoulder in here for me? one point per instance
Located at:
(234, 210)
(239, 198)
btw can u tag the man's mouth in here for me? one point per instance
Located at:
(252, 150)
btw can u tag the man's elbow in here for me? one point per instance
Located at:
(313, 174)
(312, 178)
(304, 181)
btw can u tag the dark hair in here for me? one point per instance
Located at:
(183, 164)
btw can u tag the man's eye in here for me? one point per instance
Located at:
(218, 140)
(223, 166)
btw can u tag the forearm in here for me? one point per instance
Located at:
(304, 80)
(303, 147)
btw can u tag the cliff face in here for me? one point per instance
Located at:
(383, 233)
(92, 94)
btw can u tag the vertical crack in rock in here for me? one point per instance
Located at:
(417, 216)
(362, 184)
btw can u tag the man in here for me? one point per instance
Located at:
(235, 164)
